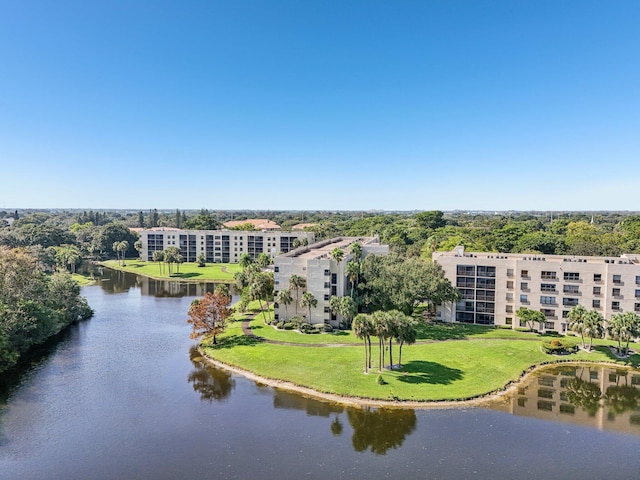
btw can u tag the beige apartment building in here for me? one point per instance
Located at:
(493, 286)
(219, 246)
(324, 276)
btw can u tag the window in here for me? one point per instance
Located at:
(466, 270)
(615, 305)
(524, 299)
(571, 276)
(486, 271)
(637, 293)
(276, 316)
(637, 279)
(524, 286)
(327, 273)
(617, 279)
(616, 292)
(548, 287)
(565, 313)
(571, 289)
(548, 312)
(545, 300)
(276, 269)
(327, 285)
(596, 290)
(524, 273)
(509, 321)
(597, 277)
(326, 297)
(595, 303)
(636, 307)
(509, 283)
(570, 302)
(549, 325)
(326, 310)
(510, 273)
(548, 275)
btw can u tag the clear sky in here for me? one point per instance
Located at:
(347, 105)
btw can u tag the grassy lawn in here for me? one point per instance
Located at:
(214, 272)
(82, 280)
(445, 370)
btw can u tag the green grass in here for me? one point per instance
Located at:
(214, 272)
(82, 280)
(444, 370)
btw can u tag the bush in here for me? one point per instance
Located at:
(327, 328)
(558, 346)
(289, 326)
(297, 321)
(306, 328)
(280, 325)
(380, 380)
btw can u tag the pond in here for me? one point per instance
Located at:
(126, 395)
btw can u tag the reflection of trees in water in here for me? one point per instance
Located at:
(621, 399)
(584, 394)
(210, 382)
(380, 430)
(293, 401)
(336, 426)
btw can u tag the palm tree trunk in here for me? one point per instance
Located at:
(390, 353)
(400, 354)
(369, 341)
(365, 355)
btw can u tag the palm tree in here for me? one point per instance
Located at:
(244, 261)
(623, 327)
(577, 316)
(284, 297)
(593, 326)
(335, 305)
(356, 250)
(158, 256)
(348, 309)
(138, 246)
(406, 333)
(381, 328)
(263, 260)
(297, 283)
(353, 272)
(337, 254)
(363, 328)
(123, 246)
(308, 301)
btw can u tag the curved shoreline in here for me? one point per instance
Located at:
(360, 402)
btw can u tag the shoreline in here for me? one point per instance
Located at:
(360, 402)
(119, 268)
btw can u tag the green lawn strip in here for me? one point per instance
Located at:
(188, 271)
(438, 371)
(267, 331)
(81, 280)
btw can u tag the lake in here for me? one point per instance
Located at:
(125, 395)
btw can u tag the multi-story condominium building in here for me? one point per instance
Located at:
(323, 275)
(494, 286)
(219, 246)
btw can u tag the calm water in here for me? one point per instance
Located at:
(125, 396)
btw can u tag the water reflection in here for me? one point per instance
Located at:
(116, 281)
(380, 429)
(601, 397)
(210, 382)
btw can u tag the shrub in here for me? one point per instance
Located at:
(289, 326)
(558, 346)
(306, 328)
(280, 325)
(327, 328)
(380, 380)
(297, 321)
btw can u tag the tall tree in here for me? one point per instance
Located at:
(406, 332)
(140, 219)
(263, 260)
(284, 298)
(577, 317)
(244, 261)
(356, 251)
(623, 327)
(158, 256)
(337, 254)
(531, 317)
(297, 283)
(309, 301)
(353, 272)
(593, 326)
(381, 327)
(363, 329)
(208, 315)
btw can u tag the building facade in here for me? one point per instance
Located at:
(219, 246)
(323, 275)
(493, 286)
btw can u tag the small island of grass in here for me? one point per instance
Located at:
(211, 272)
(449, 362)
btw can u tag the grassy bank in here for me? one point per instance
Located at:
(212, 272)
(82, 280)
(460, 367)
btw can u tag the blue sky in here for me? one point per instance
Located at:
(337, 105)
